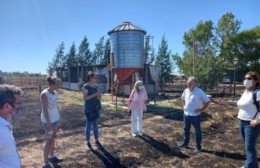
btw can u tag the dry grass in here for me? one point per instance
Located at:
(222, 145)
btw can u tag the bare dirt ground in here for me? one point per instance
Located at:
(222, 145)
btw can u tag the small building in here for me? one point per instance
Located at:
(74, 77)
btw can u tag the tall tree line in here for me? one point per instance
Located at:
(82, 56)
(209, 51)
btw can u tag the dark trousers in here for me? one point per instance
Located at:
(187, 122)
(249, 135)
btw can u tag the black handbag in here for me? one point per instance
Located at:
(92, 115)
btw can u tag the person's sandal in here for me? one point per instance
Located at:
(54, 160)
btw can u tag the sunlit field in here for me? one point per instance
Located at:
(222, 145)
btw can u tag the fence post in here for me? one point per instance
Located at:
(40, 89)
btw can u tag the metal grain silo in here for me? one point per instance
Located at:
(127, 49)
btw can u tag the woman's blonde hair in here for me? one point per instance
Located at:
(137, 83)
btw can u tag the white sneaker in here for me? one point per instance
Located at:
(140, 133)
(134, 135)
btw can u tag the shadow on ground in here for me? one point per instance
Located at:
(236, 156)
(172, 113)
(107, 158)
(163, 147)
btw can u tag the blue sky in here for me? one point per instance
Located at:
(31, 30)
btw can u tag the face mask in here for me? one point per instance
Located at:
(248, 83)
(140, 87)
(16, 116)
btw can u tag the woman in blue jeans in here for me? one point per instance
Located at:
(249, 124)
(92, 107)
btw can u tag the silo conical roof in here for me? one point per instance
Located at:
(126, 26)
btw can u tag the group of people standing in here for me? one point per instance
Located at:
(195, 101)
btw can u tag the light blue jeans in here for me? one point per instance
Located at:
(89, 125)
(249, 135)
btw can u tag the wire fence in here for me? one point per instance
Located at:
(35, 84)
(25, 81)
(221, 89)
(38, 83)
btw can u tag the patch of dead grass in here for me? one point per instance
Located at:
(222, 145)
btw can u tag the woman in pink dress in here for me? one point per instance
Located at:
(137, 104)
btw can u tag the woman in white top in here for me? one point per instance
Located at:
(50, 119)
(249, 124)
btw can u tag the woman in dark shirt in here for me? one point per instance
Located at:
(92, 107)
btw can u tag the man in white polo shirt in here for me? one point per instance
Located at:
(10, 104)
(195, 101)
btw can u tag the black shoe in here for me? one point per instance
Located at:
(55, 160)
(46, 166)
(183, 145)
(89, 146)
(98, 144)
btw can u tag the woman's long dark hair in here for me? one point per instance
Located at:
(52, 80)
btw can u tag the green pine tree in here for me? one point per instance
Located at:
(84, 53)
(163, 60)
(71, 56)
